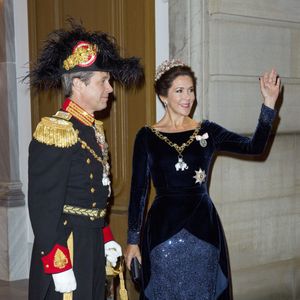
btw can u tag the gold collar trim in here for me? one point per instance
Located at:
(79, 113)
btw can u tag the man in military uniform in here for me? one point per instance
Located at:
(69, 183)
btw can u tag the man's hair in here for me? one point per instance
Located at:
(67, 81)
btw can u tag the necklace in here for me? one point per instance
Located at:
(103, 161)
(181, 164)
(100, 137)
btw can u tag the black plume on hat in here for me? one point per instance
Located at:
(60, 46)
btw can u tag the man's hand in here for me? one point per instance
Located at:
(64, 282)
(112, 251)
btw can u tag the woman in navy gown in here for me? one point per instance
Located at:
(183, 247)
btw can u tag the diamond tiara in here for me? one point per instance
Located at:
(166, 66)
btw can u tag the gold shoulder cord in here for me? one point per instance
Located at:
(84, 145)
(103, 161)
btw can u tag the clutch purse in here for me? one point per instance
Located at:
(136, 270)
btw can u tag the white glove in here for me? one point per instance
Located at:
(112, 251)
(64, 282)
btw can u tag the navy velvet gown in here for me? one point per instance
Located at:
(184, 251)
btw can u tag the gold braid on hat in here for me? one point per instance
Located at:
(166, 66)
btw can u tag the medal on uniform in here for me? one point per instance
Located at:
(105, 179)
(100, 137)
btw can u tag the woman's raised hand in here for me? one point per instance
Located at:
(270, 87)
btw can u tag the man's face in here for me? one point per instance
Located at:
(94, 95)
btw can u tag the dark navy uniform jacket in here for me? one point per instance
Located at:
(62, 171)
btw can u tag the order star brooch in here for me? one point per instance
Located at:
(200, 176)
(202, 139)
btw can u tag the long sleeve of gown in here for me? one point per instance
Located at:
(139, 187)
(231, 142)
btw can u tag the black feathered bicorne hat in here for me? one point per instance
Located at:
(78, 50)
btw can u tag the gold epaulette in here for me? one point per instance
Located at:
(56, 131)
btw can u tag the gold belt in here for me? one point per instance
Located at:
(92, 213)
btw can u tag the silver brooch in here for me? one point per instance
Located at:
(202, 139)
(200, 176)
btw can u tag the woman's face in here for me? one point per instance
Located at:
(181, 96)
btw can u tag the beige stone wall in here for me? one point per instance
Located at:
(230, 43)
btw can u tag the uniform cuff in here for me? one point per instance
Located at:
(107, 234)
(57, 260)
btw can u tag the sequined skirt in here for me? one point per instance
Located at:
(184, 250)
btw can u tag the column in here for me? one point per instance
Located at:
(13, 219)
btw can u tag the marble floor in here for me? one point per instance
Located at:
(14, 290)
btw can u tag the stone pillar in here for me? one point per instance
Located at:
(188, 26)
(229, 44)
(13, 218)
